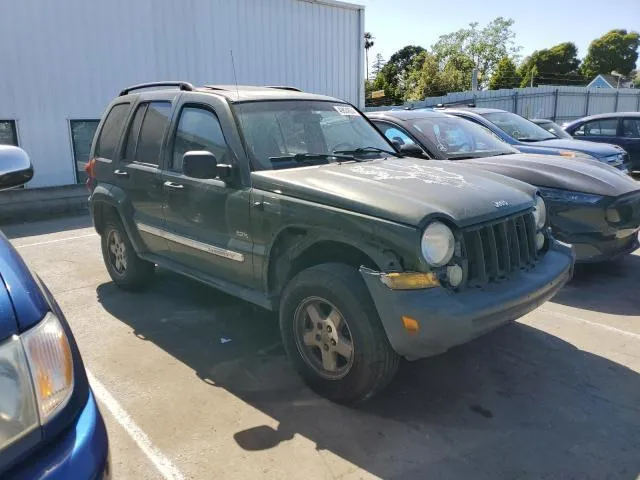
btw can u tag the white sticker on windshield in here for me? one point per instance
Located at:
(346, 110)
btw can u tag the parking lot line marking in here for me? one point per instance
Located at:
(589, 322)
(58, 240)
(162, 463)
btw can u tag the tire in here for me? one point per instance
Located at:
(308, 303)
(125, 268)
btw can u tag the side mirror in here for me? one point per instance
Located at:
(15, 167)
(202, 164)
(412, 150)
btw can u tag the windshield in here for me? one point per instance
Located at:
(455, 138)
(286, 134)
(518, 127)
(555, 129)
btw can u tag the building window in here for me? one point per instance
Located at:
(82, 132)
(8, 133)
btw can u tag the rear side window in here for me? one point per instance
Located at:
(134, 133)
(631, 127)
(111, 131)
(154, 125)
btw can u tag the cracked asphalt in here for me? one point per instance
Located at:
(554, 395)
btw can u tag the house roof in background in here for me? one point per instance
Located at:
(611, 80)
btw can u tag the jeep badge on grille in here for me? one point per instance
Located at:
(501, 203)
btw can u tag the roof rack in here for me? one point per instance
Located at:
(182, 85)
(215, 87)
(455, 104)
(284, 87)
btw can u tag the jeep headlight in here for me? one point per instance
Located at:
(540, 213)
(36, 378)
(437, 244)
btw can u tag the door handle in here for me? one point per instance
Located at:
(175, 186)
(121, 173)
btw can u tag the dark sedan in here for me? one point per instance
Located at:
(621, 129)
(593, 206)
(528, 137)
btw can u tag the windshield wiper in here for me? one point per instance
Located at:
(369, 150)
(309, 157)
(529, 139)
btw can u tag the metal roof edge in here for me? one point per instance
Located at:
(336, 3)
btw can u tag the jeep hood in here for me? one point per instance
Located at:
(575, 174)
(403, 190)
(595, 149)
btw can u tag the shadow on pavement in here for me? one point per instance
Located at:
(518, 403)
(612, 287)
(55, 225)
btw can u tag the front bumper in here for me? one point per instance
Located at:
(447, 318)
(595, 239)
(80, 453)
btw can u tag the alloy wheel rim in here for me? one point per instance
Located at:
(323, 338)
(117, 252)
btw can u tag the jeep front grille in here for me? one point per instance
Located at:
(497, 250)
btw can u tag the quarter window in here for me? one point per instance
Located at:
(8, 133)
(82, 133)
(199, 129)
(111, 130)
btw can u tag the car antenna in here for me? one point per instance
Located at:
(235, 77)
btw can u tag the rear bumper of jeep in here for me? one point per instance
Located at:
(446, 318)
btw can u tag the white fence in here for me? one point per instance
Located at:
(560, 104)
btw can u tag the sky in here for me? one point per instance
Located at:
(538, 23)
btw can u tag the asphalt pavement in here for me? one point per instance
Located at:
(194, 383)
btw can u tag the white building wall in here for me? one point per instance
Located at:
(67, 59)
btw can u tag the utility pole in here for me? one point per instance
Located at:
(474, 80)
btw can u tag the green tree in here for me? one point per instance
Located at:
(393, 76)
(505, 75)
(616, 50)
(484, 46)
(558, 65)
(428, 79)
(378, 64)
(368, 43)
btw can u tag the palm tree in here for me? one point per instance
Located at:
(368, 43)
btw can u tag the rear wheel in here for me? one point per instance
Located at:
(126, 269)
(333, 335)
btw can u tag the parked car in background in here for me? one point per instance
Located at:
(528, 137)
(551, 127)
(591, 205)
(297, 203)
(621, 129)
(50, 425)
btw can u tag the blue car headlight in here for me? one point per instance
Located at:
(556, 195)
(36, 378)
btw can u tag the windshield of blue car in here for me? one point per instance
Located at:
(455, 138)
(293, 133)
(518, 127)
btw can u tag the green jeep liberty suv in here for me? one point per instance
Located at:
(297, 203)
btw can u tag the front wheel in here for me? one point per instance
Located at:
(333, 335)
